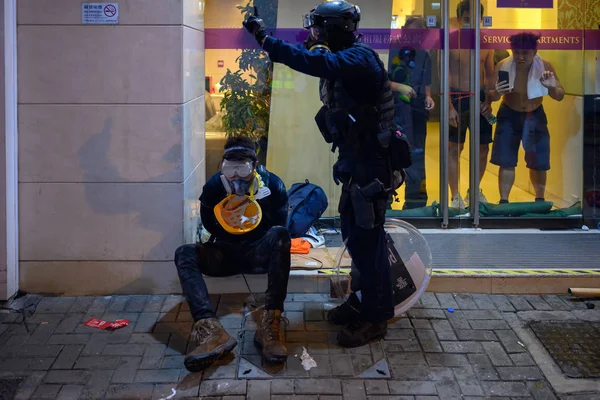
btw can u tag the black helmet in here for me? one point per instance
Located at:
(339, 15)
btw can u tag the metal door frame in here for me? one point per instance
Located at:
(474, 129)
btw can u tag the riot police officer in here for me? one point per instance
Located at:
(357, 118)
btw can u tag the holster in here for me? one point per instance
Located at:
(368, 204)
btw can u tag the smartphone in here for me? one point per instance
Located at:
(503, 76)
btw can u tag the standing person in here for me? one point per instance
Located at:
(521, 116)
(460, 103)
(410, 76)
(262, 248)
(357, 118)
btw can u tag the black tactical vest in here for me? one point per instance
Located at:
(374, 118)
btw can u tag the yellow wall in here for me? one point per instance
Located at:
(297, 150)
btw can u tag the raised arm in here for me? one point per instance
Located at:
(351, 62)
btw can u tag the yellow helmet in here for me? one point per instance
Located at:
(239, 214)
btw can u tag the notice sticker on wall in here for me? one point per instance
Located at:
(487, 22)
(431, 21)
(100, 13)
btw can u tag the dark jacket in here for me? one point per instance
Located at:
(274, 208)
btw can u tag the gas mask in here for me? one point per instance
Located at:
(235, 176)
(317, 40)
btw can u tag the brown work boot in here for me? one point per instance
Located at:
(269, 337)
(209, 342)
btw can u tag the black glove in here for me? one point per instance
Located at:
(256, 26)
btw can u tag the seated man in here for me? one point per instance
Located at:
(521, 116)
(265, 249)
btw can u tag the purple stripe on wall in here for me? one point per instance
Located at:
(428, 39)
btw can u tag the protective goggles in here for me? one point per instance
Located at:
(241, 169)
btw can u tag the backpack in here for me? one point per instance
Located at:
(307, 202)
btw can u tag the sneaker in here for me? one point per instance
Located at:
(209, 342)
(458, 202)
(359, 333)
(269, 337)
(482, 198)
(346, 313)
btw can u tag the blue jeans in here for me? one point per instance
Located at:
(270, 255)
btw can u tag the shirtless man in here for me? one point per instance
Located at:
(460, 101)
(521, 116)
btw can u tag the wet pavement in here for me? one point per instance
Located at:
(476, 350)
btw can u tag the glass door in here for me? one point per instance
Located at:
(529, 64)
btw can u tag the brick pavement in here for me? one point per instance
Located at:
(471, 353)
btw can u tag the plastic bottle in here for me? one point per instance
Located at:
(491, 119)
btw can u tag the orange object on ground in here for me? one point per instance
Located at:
(300, 246)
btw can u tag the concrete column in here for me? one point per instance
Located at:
(111, 144)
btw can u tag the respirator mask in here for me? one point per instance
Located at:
(235, 176)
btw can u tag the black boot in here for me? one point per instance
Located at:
(346, 313)
(359, 333)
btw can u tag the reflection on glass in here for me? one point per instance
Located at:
(460, 103)
(410, 75)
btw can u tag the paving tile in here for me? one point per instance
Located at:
(35, 350)
(462, 347)
(444, 330)
(541, 391)
(446, 301)
(130, 391)
(502, 303)
(516, 389)
(98, 384)
(426, 314)
(510, 341)
(429, 341)
(520, 373)
(69, 323)
(556, 303)
(282, 386)
(519, 303)
(66, 376)
(41, 363)
(470, 387)
(67, 357)
(538, 303)
(124, 350)
(448, 389)
(497, 354)
(489, 324)
(412, 387)
(81, 305)
(429, 300)
(465, 301)
(353, 390)
(447, 360)
(376, 386)
(118, 303)
(153, 356)
(317, 386)
(70, 392)
(157, 376)
(222, 387)
(126, 370)
(522, 359)
(483, 302)
(45, 391)
(477, 335)
(69, 339)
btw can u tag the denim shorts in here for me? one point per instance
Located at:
(514, 127)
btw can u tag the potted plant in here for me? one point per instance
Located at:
(247, 103)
